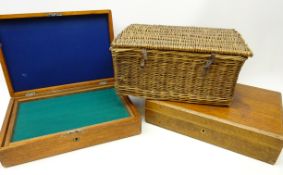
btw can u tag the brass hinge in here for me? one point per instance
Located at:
(104, 82)
(54, 14)
(30, 94)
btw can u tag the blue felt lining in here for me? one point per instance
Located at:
(49, 51)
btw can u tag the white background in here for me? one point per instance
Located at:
(156, 150)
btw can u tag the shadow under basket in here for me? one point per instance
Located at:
(186, 64)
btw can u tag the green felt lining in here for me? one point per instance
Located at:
(56, 114)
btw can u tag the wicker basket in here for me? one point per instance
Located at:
(188, 64)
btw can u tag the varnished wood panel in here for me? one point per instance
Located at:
(47, 14)
(34, 149)
(11, 125)
(6, 122)
(243, 127)
(253, 107)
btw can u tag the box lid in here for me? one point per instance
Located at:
(255, 109)
(192, 39)
(51, 49)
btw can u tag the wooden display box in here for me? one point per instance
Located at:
(59, 73)
(252, 125)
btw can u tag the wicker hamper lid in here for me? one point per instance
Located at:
(192, 39)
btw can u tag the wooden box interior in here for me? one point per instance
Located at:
(45, 116)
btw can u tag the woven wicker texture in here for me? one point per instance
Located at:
(161, 63)
(192, 39)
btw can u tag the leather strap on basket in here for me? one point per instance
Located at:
(208, 64)
(144, 58)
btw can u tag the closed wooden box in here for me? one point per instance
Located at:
(252, 125)
(59, 73)
(186, 64)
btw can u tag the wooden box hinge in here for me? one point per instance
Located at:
(53, 14)
(30, 94)
(103, 82)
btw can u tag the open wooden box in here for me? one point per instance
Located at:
(59, 73)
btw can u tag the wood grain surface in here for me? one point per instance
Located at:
(252, 125)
